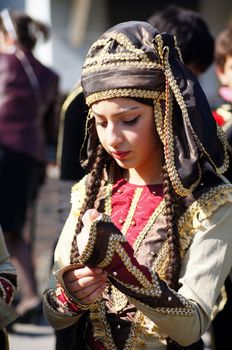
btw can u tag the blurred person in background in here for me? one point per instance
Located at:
(28, 123)
(193, 36)
(223, 65)
(8, 284)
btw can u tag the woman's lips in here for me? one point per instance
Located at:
(120, 155)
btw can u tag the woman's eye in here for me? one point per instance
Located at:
(102, 124)
(131, 121)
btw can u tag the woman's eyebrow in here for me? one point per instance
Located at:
(126, 109)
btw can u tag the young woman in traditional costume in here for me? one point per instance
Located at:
(147, 246)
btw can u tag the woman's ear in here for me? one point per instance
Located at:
(221, 75)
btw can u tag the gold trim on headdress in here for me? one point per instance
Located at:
(112, 93)
(168, 130)
(132, 57)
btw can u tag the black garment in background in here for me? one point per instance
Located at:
(73, 129)
(19, 183)
(4, 344)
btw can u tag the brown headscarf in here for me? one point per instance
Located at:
(133, 59)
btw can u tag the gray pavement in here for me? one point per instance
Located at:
(29, 337)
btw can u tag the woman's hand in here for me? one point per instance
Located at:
(82, 238)
(86, 284)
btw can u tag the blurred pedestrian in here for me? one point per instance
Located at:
(193, 36)
(8, 284)
(223, 65)
(28, 123)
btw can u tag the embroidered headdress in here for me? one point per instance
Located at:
(133, 59)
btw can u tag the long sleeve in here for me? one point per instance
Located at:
(185, 315)
(55, 317)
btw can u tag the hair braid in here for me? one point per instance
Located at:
(92, 190)
(172, 273)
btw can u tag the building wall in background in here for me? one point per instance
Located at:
(68, 59)
(19, 4)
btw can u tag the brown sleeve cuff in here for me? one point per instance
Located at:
(108, 249)
(102, 237)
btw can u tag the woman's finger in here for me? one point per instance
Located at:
(89, 216)
(85, 282)
(86, 292)
(73, 275)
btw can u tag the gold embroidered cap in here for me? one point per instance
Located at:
(132, 59)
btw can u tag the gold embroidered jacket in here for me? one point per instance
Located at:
(138, 301)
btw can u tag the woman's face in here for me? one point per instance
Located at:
(126, 129)
(2, 41)
(6, 42)
(225, 75)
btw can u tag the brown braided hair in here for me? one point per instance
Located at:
(92, 190)
(171, 210)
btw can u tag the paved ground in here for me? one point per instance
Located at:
(32, 338)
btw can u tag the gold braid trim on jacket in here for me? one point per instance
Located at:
(190, 221)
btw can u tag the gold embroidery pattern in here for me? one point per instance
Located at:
(202, 209)
(148, 288)
(131, 340)
(159, 117)
(113, 241)
(133, 56)
(185, 311)
(120, 299)
(92, 239)
(125, 62)
(169, 141)
(188, 224)
(132, 209)
(180, 100)
(78, 195)
(103, 95)
(133, 269)
(161, 262)
(148, 226)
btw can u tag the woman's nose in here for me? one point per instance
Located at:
(114, 136)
